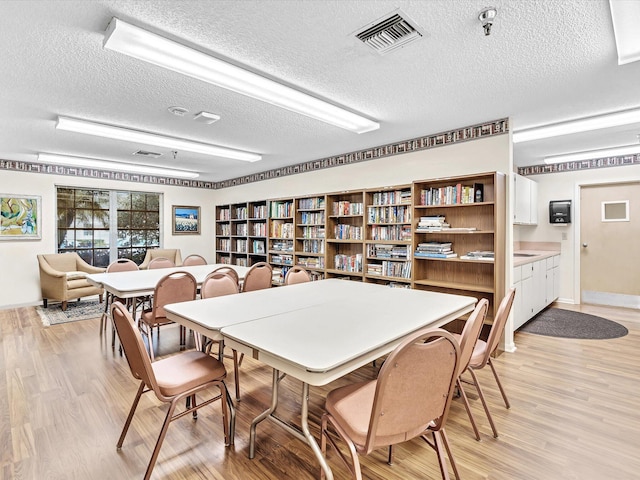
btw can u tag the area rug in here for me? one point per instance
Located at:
(556, 322)
(83, 310)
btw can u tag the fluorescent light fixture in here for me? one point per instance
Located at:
(146, 46)
(626, 18)
(588, 155)
(109, 165)
(586, 124)
(137, 136)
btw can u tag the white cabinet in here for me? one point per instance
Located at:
(526, 201)
(537, 285)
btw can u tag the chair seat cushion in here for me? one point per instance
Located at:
(75, 275)
(479, 351)
(182, 372)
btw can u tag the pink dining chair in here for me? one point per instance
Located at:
(410, 398)
(218, 284)
(172, 288)
(229, 271)
(171, 379)
(258, 277)
(160, 262)
(482, 352)
(194, 260)
(120, 265)
(468, 339)
(297, 274)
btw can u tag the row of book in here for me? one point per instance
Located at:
(346, 208)
(452, 194)
(391, 232)
(312, 218)
(311, 262)
(394, 197)
(280, 259)
(282, 245)
(387, 251)
(281, 209)
(348, 263)
(390, 269)
(313, 246)
(259, 211)
(316, 202)
(393, 214)
(313, 232)
(280, 229)
(347, 232)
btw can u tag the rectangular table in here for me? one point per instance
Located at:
(140, 283)
(317, 332)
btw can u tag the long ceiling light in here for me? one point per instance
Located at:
(146, 46)
(588, 155)
(626, 16)
(137, 136)
(587, 124)
(109, 165)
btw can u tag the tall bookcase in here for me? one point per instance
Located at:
(471, 213)
(388, 236)
(239, 231)
(310, 234)
(281, 235)
(345, 234)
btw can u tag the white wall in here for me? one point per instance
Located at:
(19, 282)
(564, 186)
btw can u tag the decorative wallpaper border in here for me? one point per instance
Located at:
(474, 132)
(604, 162)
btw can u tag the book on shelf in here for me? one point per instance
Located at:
(436, 255)
(479, 255)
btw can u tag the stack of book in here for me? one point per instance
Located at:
(479, 255)
(435, 250)
(431, 224)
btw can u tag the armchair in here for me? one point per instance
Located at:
(63, 278)
(172, 254)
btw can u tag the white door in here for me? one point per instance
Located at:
(609, 247)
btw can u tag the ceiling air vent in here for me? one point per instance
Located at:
(144, 153)
(389, 33)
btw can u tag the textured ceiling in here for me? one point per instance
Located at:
(544, 62)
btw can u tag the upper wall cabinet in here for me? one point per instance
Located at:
(526, 201)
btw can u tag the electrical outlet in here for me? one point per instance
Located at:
(564, 235)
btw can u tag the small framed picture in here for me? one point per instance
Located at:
(186, 220)
(20, 217)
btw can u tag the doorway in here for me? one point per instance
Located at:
(609, 250)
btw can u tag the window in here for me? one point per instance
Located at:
(103, 225)
(615, 211)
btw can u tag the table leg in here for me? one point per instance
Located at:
(304, 434)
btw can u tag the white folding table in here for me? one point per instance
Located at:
(317, 332)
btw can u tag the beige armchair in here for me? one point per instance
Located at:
(172, 254)
(63, 278)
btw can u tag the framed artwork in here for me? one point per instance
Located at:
(186, 220)
(20, 217)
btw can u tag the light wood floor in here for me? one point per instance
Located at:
(65, 394)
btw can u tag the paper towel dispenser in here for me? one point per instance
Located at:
(559, 212)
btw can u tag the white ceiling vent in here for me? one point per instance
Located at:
(144, 153)
(390, 32)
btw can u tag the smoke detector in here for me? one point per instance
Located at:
(392, 31)
(178, 111)
(206, 117)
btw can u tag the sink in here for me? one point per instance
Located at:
(525, 254)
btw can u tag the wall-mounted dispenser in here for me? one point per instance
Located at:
(560, 212)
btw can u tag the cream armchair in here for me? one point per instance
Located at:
(172, 254)
(63, 278)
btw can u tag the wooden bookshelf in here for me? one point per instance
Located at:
(471, 224)
(388, 235)
(239, 231)
(345, 234)
(310, 234)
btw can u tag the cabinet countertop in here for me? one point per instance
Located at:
(535, 256)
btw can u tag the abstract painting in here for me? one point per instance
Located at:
(20, 217)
